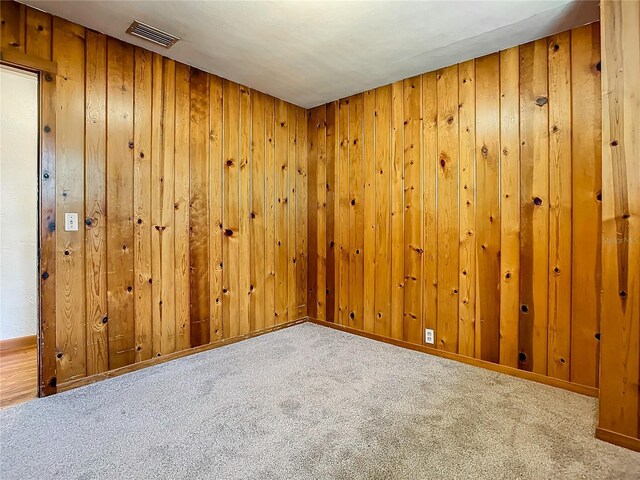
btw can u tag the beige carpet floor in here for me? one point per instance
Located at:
(310, 402)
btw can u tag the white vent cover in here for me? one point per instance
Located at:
(152, 34)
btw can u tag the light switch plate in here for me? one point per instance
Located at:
(70, 222)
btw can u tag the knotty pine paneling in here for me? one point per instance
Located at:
(191, 192)
(479, 218)
(620, 376)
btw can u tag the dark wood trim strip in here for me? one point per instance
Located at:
(80, 382)
(47, 362)
(618, 439)
(514, 372)
(24, 61)
(18, 343)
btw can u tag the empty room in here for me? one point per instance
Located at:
(320, 239)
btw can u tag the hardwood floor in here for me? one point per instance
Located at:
(18, 375)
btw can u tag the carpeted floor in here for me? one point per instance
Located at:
(310, 402)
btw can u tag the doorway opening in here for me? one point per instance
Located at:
(19, 219)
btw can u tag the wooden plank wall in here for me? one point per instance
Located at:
(473, 196)
(191, 190)
(620, 376)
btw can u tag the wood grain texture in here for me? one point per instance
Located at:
(559, 330)
(488, 207)
(69, 52)
(467, 298)
(47, 359)
(244, 198)
(534, 211)
(332, 210)
(397, 207)
(302, 189)
(140, 145)
(167, 205)
(382, 198)
(216, 161)
(413, 216)
(369, 199)
(586, 193)
(38, 34)
(509, 205)
(142, 204)
(19, 373)
(356, 212)
(620, 358)
(231, 222)
(155, 172)
(96, 203)
(343, 212)
(270, 217)
(448, 228)
(256, 306)
(431, 166)
(119, 185)
(282, 216)
(13, 31)
(199, 203)
(321, 212)
(487, 150)
(312, 206)
(292, 278)
(181, 212)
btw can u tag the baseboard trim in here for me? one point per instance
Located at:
(80, 382)
(618, 439)
(514, 372)
(17, 343)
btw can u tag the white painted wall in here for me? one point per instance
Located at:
(18, 203)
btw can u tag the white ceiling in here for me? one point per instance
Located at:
(311, 52)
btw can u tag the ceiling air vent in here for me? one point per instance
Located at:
(152, 34)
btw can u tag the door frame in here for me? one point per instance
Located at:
(46, 70)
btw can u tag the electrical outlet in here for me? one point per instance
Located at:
(428, 336)
(70, 222)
